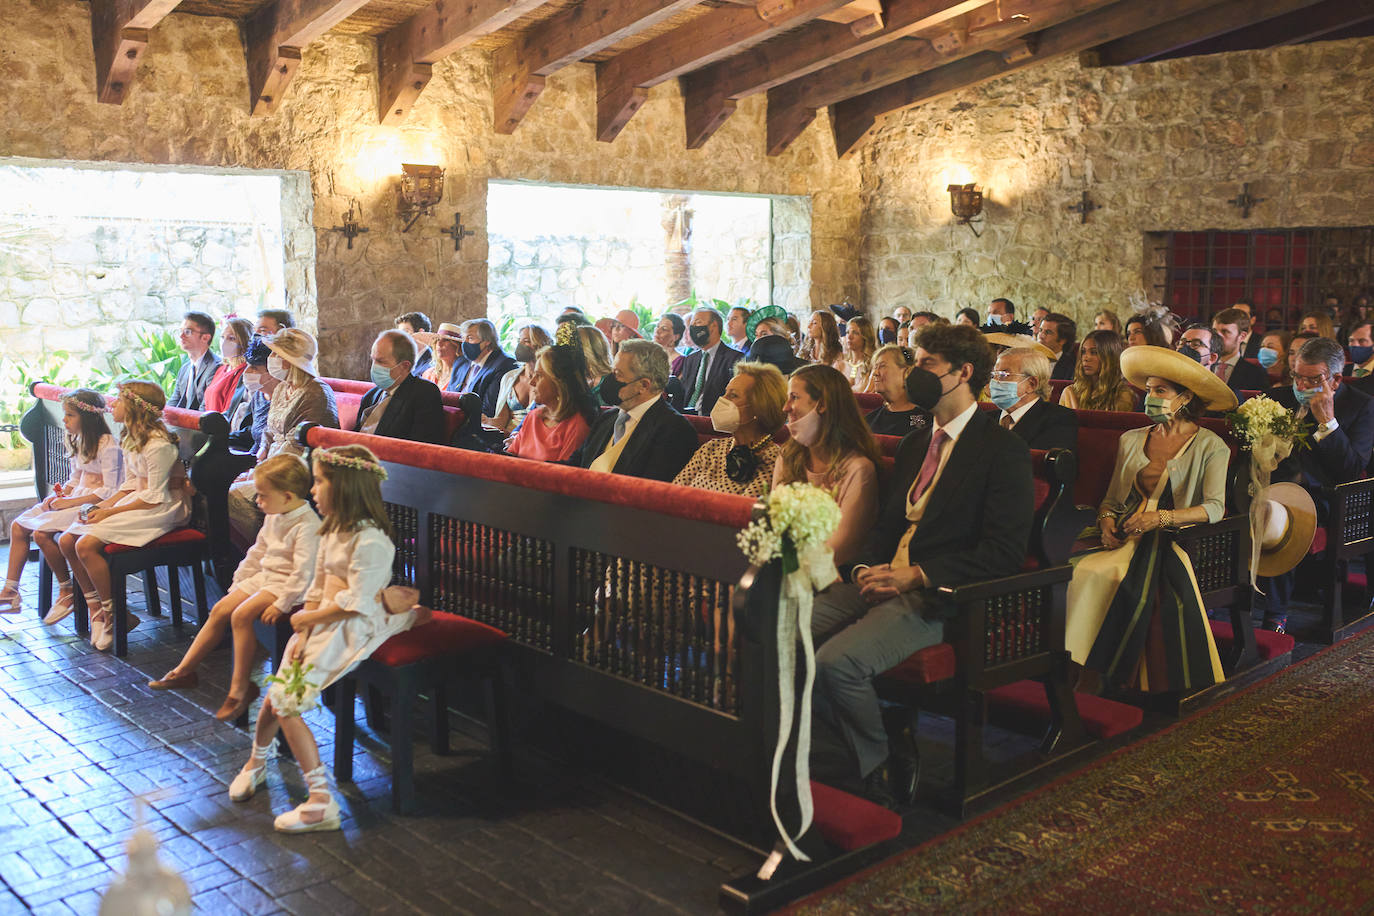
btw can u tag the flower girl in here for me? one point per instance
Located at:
(269, 582)
(344, 620)
(152, 501)
(94, 460)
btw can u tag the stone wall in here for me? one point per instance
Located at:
(189, 106)
(1161, 147)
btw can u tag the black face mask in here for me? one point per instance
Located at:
(524, 353)
(887, 336)
(1192, 354)
(608, 389)
(701, 333)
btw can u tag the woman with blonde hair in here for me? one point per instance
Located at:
(823, 342)
(556, 428)
(445, 345)
(1318, 322)
(516, 392)
(1097, 380)
(751, 412)
(861, 342)
(831, 448)
(233, 344)
(596, 350)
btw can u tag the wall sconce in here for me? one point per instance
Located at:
(966, 203)
(422, 187)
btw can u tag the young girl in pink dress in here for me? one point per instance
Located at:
(152, 501)
(95, 466)
(342, 623)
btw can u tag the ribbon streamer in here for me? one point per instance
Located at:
(1265, 454)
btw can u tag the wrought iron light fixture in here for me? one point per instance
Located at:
(966, 203)
(421, 188)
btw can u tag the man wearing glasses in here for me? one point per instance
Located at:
(197, 330)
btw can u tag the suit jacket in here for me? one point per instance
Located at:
(1340, 457)
(487, 384)
(1248, 376)
(416, 411)
(189, 393)
(1064, 366)
(660, 445)
(423, 361)
(718, 375)
(977, 522)
(1252, 346)
(1046, 426)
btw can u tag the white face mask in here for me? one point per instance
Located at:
(725, 416)
(807, 430)
(229, 348)
(276, 367)
(252, 383)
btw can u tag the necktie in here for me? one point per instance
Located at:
(1361, 372)
(473, 369)
(928, 467)
(1007, 421)
(621, 421)
(695, 403)
(1223, 370)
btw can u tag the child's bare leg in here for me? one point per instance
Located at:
(245, 640)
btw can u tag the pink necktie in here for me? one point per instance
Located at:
(1222, 370)
(928, 467)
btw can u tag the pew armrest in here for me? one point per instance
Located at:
(1350, 520)
(993, 588)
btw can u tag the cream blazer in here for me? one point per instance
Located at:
(1197, 475)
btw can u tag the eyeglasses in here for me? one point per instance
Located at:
(1310, 381)
(1003, 375)
(1195, 345)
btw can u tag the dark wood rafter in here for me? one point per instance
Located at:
(1201, 26)
(520, 68)
(407, 54)
(623, 82)
(853, 119)
(274, 37)
(711, 93)
(119, 35)
(1322, 21)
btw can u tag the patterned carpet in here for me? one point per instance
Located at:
(1262, 804)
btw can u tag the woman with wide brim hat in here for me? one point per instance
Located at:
(1135, 616)
(447, 343)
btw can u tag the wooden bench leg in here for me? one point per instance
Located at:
(498, 723)
(82, 614)
(403, 740)
(198, 579)
(150, 597)
(968, 745)
(174, 592)
(119, 597)
(44, 587)
(344, 689)
(376, 709)
(438, 739)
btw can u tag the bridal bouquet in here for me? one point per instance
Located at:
(291, 692)
(1271, 432)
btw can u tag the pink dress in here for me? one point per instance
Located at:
(540, 442)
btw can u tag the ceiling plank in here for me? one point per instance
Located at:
(623, 82)
(119, 36)
(273, 38)
(520, 68)
(709, 94)
(1328, 18)
(853, 119)
(407, 54)
(1201, 26)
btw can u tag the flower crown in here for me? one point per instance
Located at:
(146, 405)
(82, 405)
(357, 464)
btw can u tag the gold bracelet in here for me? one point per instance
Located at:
(1166, 517)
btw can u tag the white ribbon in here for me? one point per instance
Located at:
(1265, 454)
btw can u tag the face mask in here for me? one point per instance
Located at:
(1192, 354)
(1267, 356)
(995, 318)
(252, 383)
(276, 367)
(1158, 409)
(381, 376)
(887, 336)
(524, 353)
(807, 430)
(725, 416)
(1004, 394)
(608, 389)
(1305, 394)
(1360, 355)
(229, 348)
(471, 350)
(701, 334)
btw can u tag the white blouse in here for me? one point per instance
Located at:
(153, 472)
(351, 570)
(100, 476)
(282, 559)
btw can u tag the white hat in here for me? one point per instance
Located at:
(295, 347)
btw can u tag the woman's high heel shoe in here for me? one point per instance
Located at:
(253, 774)
(294, 822)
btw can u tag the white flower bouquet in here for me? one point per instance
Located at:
(292, 693)
(1271, 432)
(800, 519)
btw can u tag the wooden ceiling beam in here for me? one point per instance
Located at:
(1201, 26)
(520, 68)
(407, 54)
(274, 37)
(710, 94)
(119, 36)
(854, 119)
(623, 82)
(1327, 18)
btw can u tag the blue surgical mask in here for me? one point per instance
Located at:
(1360, 355)
(1158, 409)
(1267, 356)
(381, 376)
(1305, 394)
(995, 318)
(471, 350)
(1004, 394)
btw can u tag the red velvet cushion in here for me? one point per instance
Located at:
(1269, 643)
(888, 445)
(179, 536)
(446, 634)
(1101, 717)
(868, 401)
(453, 418)
(850, 822)
(1319, 541)
(348, 405)
(928, 666)
(1357, 579)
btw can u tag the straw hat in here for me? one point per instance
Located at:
(1024, 341)
(446, 330)
(761, 314)
(629, 319)
(1283, 520)
(1140, 363)
(296, 347)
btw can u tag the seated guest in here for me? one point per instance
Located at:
(273, 321)
(1001, 311)
(1272, 354)
(831, 448)
(415, 323)
(196, 333)
(1360, 343)
(1199, 343)
(1294, 347)
(400, 405)
(750, 410)
(1106, 320)
(1318, 321)
(248, 415)
(1135, 615)
(484, 365)
(668, 335)
(706, 371)
(898, 415)
(558, 426)
(823, 342)
(624, 326)
(643, 436)
(1251, 343)
(774, 350)
(1097, 381)
(1144, 331)
(225, 387)
(516, 393)
(735, 328)
(1020, 388)
(887, 331)
(1060, 334)
(1229, 328)
(860, 345)
(958, 510)
(903, 314)
(445, 347)
(1038, 315)
(596, 352)
(968, 318)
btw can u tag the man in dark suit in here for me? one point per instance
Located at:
(411, 323)
(1230, 327)
(1250, 346)
(1021, 389)
(958, 510)
(484, 364)
(643, 437)
(196, 333)
(400, 405)
(707, 370)
(1059, 334)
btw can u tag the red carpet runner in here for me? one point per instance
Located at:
(1262, 804)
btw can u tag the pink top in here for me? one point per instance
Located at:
(542, 442)
(855, 488)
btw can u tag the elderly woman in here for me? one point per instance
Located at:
(823, 342)
(750, 410)
(233, 344)
(555, 429)
(898, 415)
(446, 347)
(1097, 380)
(831, 448)
(516, 395)
(861, 342)
(1135, 614)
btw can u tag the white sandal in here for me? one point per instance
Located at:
(253, 774)
(292, 822)
(102, 637)
(61, 608)
(11, 602)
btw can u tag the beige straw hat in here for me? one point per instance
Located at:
(446, 330)
(1284, 524)
(1018, 341)
(295, 347)
(1141, 363)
